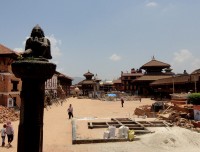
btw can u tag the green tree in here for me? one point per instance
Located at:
(194, 98)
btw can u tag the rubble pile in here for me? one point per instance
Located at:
(180, 115)
(177, 119)
(8, 114)
(144, 110)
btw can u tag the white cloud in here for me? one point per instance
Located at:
(115, 57)
(20, 50)
(151, 4)
(55, 61)
(61, 70)
(169, 7)
(185, 60)
(182, 56)
(56, 52)
(196, 63)
(55, 44)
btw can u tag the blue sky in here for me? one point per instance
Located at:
(107, 36)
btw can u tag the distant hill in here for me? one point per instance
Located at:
(77, 80)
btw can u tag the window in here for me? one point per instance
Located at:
(10, 102)
(15, 83)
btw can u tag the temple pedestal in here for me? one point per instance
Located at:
(33, 74)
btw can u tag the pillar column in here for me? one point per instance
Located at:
(33, 74)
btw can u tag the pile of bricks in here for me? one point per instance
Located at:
(180, 115)
(178, 120)
(144, 110)
(8, 114)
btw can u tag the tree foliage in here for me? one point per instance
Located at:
(194, 98)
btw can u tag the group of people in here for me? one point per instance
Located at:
(9, 131)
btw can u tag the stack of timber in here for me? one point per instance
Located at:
(138, 126)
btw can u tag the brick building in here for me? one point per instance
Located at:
(51, 85)
(10, 86)
(65, 82)
(117, 85)
(127, 78)
(179, 83)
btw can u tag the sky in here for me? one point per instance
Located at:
(106, 37)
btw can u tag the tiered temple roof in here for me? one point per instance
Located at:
(155, 63)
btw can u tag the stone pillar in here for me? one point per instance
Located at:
(33, 74)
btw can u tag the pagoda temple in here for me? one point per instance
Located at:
(90, 85)
(153, 70)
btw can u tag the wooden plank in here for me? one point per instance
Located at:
(142, 131)
(135, 128)
(90, 141)
(141, 125)
(107, 124)
(121, 119)
(134, 125)
(99, 126)
(99, 123)
(127, 122)
(117, 121)
(150, 123)
(163, 112)
(113, 123)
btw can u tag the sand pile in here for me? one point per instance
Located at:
(174, 139)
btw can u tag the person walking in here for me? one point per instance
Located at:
(10, 133)
(70, 111)
(122, 101)
(3, 135)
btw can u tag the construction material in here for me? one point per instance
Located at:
(112, 131)
(8, 114)
(123, 132)
(127, 129)
(131, 134)
(139, 127)
(106, 134)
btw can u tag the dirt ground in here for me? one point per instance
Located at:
(58, 130)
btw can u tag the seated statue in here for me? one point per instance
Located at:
(37, 46)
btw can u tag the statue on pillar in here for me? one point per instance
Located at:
(33, 69)
(37, 46)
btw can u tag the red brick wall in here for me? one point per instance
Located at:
(6, 85)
